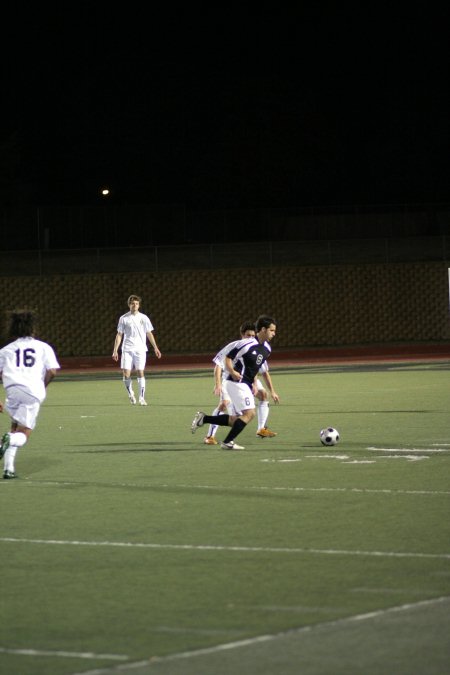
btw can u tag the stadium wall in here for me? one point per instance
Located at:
(199, 311)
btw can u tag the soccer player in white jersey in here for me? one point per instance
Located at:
(134, 327)
(243, 361)
(27, 366)
(247, 330)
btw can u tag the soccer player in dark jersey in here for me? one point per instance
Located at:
(247, 330)
(243, 361)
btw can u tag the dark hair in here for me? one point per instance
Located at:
(247, 325)
(134, 297)
(264, 321)
(22, 323)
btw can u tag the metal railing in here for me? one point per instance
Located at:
(267, 254)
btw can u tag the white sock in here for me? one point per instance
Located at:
(263, 414)
(213, 427)
(9, 457)
(128, 386)
(141, 384)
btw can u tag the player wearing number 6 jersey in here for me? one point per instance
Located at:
(243, 361)
(27, 366)
(247, 330)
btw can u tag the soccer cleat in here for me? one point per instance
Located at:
(197, 421)
(231, 446)
(132, 398)
(264, 432)
(7, 475)
(4, 444)
(210, 440)
(142, 401)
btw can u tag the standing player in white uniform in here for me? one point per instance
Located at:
(134, 327)
(243, 360)
(247, 330)
(27, 366)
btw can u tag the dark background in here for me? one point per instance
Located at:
(325, 105)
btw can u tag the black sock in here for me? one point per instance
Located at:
(221, 420)
(236, 429)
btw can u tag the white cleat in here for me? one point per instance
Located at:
(197, 421)
(231, 446)
(132, 398)
(142, 401)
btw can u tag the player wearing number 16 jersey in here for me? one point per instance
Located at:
(27, 366)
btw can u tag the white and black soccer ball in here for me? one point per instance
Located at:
(329, 436)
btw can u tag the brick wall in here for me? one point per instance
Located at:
(199, 311)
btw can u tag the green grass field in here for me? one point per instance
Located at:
(128, 546)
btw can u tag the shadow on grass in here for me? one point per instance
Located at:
(156, 446)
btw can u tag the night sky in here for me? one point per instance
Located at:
(315, 106)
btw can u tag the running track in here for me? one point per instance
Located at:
(292, 357)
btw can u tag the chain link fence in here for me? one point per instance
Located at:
(261, 255)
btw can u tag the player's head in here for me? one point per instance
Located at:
(22, 323)
(247, 329)
(133, 299)
(266, 327)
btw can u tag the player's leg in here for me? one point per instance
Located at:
(263, 412)
(139, 362)
(126, 363)
(201, 418)
(23, 410)
(223, 406)
(212, 429)
(244, 404)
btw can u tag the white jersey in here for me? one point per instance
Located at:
(219, 358)
(25, 362)
(134, 328)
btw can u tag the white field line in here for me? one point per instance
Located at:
(228, 488)
(318, 489)
(73, 655)
(266, 638)
(434, 450)
(232, 549)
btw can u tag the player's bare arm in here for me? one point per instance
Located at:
(273, 393)
(49, 376)
(217, 380)
(117, 342)
(151, 339)
(234, 373)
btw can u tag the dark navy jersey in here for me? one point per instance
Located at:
(248, 356)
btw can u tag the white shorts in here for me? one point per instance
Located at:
(241, 396)
(224, 395)
(22, 407)
(130, 360)
(225, 398)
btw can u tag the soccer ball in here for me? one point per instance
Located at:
(329, 436)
